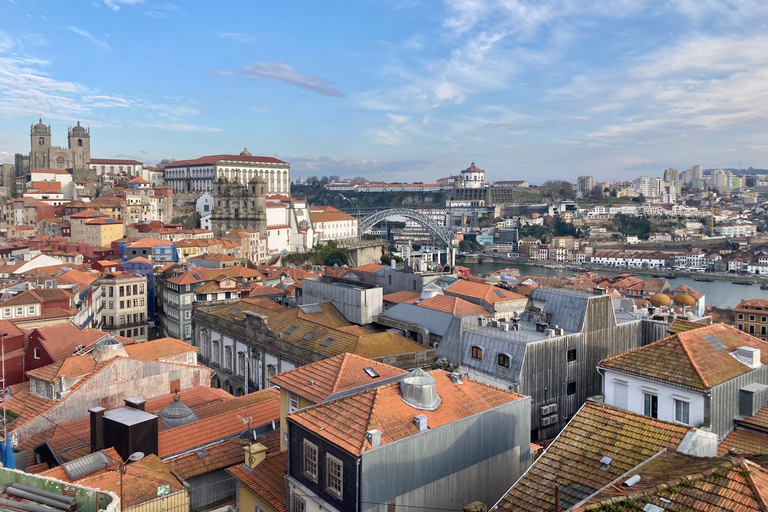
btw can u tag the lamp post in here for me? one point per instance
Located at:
(122, 468)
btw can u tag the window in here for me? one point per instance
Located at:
(682, 409)
(504, 360)
(135, 289)
(751, 318)
(571, 388)
(293, 402)
(228, 358)
(122, 304)
(751, 329)
(111, 304)
(19, 311)
(571, 355)
(651, 406)
(477, 353)
(31, 311)
(620, 394)
(309, 461)
(334, 473)
(215, 353)
(111, 291)
(37, 353)
(297, 502)
(740, 327)
(122, 291)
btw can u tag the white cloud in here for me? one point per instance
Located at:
(389, 137)
(116, 4)
(220, 73)
(288, 75)
(238, 37)
(98, 43)
(398, 119)
(182, 127)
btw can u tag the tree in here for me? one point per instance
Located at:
(387, 257)
(324, 180)
(558, 189)
(312, 180)
(332, 254)
(359, 179)
(334, 178)
(165, 161)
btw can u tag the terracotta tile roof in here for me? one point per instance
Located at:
(744, 441)
(369, 268)
(759, 420)
(679, 325)
(491, 294)
(675, 482)
(11, 330)
(453, 305)
(257, 290)
(345, 422)
(402, 296)
(267, 479)
(262, 409)
(114, 161)
(189, 277)
(760, 303)
(71, 367)
(50, 171)
(323, 326)
(684, 288)
(159, 349)
(323, 214)
(149, 242)
(38, 296)
(61, 340)
(84, 279)
(688, 359)
(214, 287)
(219, 456)
(140, 480)
(573, 458)
(317, 381)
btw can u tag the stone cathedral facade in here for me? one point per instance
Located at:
(239, 206)
(43, 155)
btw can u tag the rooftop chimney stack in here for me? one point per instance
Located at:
(135, 403)
(421, 422)
(254, 454)
(97, 428)
(456, 378)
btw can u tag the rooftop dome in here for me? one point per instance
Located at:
(78, 130)
(40, 127)
(245, 152)
(108, 348)
(419, 390)
(685, 300)
(660, 300)
(177, 414)
(430, 290)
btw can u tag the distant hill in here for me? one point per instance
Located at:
(739, 171)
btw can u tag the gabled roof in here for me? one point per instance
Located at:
(38, 296)
(453, 305)
(159, 349)
(402, 296)
(674, 482)
(368, 268)
(572, 461)
(699, 359)
(267, 479)
(71, 367)
(317, 381)
(491, 294)
(189, 277)
(345, 422)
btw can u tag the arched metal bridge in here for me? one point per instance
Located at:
(441, 235)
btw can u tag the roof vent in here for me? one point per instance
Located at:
(456, 378)
(632, 481)
(421, 422)
(374, 437)
(605, 463)
(419, 390)
(177, 414)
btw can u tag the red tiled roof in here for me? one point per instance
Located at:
(746, 441)
(573, 459)
(482, 291)
(688, 359)
(345, 422)
(368, 268)
(267, 479)
(402, 296)
(113, 161)
(453, 305)
(158, 349)
(317, 381)
(61, 340)
(50, 171)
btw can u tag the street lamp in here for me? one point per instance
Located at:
(123, 467)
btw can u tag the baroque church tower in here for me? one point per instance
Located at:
(239, 206)
(43, 155)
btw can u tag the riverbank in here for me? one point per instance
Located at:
(669, 274)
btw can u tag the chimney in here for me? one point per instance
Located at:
(421, 422)
(135, 403)
(97, 428)
(456, 378)
(254, 454)
(374, 437)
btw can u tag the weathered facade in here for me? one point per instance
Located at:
(550, 352)
(239, 206)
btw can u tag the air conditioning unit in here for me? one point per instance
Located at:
(549, 333)
(494, 323)
(504, 326)
(548, 420)
(546, 410)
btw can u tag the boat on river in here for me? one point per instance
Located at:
(744, 283)
(703, 279)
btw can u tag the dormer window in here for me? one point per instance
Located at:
(477, 353)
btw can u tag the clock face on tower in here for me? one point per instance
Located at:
(41, 141)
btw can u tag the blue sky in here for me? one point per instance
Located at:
(530, 90)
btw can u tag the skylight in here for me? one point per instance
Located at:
(309, 336)
(499, 293)
(327, 342)
(235, 311)
(291, 330)
(371, 372)
(196, 276)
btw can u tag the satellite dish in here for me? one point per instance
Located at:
(136, 456)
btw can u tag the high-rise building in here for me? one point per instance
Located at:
(720, 179)
(697, 177)
(671, 176)
(647, 186)
(584, 186)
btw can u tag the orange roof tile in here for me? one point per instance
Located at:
(573, 458)
(159, 349)
(267, 479)
(745, 441)
(368, 268)
(317, 381)
(696, 362)
(71, 367)
(402, 296)
(61, 340)
(453, 305)
(345, 422)
(491, 294)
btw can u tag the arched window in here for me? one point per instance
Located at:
(504, 360)
(271, 370)
(79, 143)
(241, 363)
(215, 354)
(41, 141)
(228, 358)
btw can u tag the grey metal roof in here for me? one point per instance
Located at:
(565, 308)
(129, 416)
(434, 321)
(311, 308)
(492, 347)
(177, 414)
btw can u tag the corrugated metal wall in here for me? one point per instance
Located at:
(724, 401)
(477, 458)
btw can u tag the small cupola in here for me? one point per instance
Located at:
(108, 348)
(419, 390)
(430, 290)
(177, 414)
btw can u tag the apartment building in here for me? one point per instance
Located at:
(124, 296)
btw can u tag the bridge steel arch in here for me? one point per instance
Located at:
(441, 234)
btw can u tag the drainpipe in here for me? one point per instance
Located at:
(359, 484)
